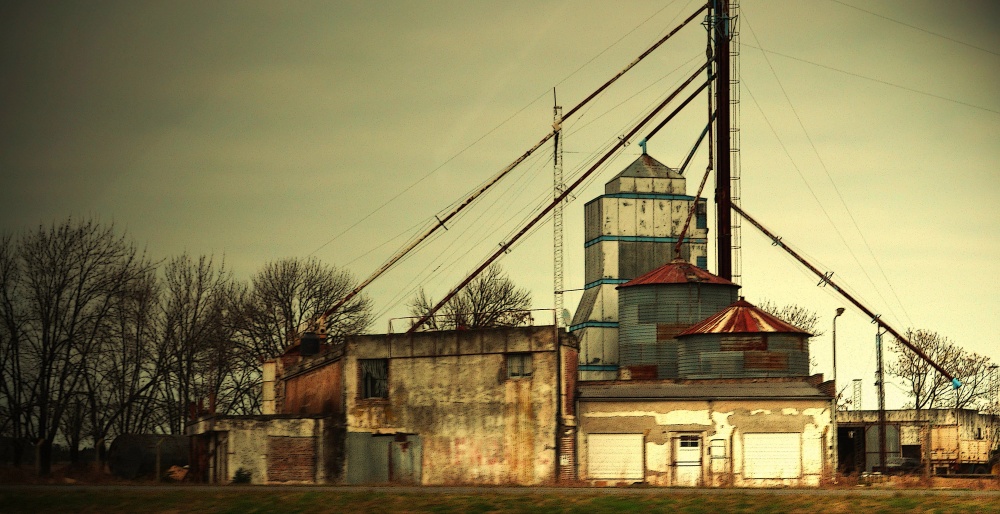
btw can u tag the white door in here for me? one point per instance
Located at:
(687, 452)
(772, 455)
(615, 457)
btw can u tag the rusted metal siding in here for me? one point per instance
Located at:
(742, 356)
(653, 314)
(319, 391)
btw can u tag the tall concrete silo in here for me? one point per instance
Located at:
(630, 230)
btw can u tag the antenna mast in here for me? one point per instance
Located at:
(557, 212)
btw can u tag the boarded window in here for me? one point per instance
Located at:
(374, 378)
(518, 365)
(291, 459)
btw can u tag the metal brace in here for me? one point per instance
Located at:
(440, 222)
(826, 279)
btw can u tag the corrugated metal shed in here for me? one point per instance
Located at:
(742, 318)
(677, 271)
(632, 390)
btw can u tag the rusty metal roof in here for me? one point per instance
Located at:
(742, 318)
(640, 390)
(648, 167)
(678, 271)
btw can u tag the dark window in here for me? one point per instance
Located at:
(701, 220)
(518, 365)
(979, 432)
(689, 441)
(374, 378)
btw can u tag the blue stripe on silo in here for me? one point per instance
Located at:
(613, 281)
(597, 367)
(594, 324)
(642, 239)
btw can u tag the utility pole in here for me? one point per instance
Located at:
(836, 447)
(880, 382)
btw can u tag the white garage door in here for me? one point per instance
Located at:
(772, 455)
(615, 456)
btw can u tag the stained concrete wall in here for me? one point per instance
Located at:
(720, 424)
(274, 449)
(475, 425)
(957, 436)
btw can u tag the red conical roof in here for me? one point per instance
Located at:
(742, 318)
(678, 271)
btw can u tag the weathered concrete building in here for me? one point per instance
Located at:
(491, 406)
(712, 391)
(952, 440)
(740, 432)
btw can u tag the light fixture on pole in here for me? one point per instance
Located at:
(840, 310)
(833, 411)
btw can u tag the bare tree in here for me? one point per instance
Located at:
(15, 394)
(120, 383)
(490, 300)
(196, 335)
(928, 387)
(69, 275)
(795, 315)
(287, 295)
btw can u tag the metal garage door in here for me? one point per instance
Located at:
(772, 455)
(615, 456)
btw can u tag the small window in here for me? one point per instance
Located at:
(518, 365)
(689, 441)
(374, 378)
(979, 432)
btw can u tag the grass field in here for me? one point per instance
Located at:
(249, 500)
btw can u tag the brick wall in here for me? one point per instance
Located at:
(291, 459)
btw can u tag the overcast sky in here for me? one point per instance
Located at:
(261, 130)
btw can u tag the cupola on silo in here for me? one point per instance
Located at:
(742, 341)
(657, 306)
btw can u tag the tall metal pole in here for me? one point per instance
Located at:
(880, 382)
(836, 446)
(723, 200)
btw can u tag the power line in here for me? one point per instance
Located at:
(836, 189)
(942, 36)
(873, 79)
